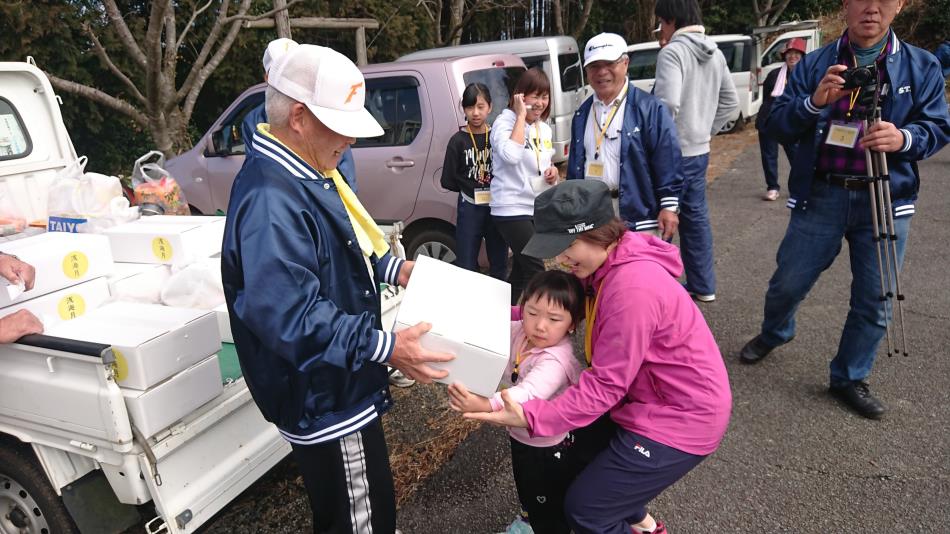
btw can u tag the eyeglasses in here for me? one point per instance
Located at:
(599, 65)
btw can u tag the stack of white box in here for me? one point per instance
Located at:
(166, 357)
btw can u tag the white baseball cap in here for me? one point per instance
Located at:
(329, 84)
(604, 47)
(276, 49)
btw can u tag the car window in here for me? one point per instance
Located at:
(642, 64)
(737, 54)
(229, 138)
(14, 139)
(534, 61)
(572, 74)
(499, 82)
(394, 103)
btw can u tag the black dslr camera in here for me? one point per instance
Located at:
(860, 77)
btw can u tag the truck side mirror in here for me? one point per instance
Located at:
(213, 144)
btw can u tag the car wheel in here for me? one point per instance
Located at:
(433, 243)
(732, 126)
(28, 503)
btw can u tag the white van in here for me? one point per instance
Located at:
(748, 67)
(741, 56)
(559, 57)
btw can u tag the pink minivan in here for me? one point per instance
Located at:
(397, 174)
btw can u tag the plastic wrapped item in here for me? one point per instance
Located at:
(195, 286)
(156, 191)
(88, 202)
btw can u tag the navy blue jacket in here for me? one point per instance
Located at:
(914, 103)
(305, 312)
(649, 158)
(346, 167)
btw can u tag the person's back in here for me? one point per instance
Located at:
(691, 75)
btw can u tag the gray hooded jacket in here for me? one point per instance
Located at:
(694, 82)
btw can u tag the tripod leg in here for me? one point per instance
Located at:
(877, 234)
(892, 239)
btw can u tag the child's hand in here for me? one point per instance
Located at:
(551, 175)
(511, 416)
(462, 400)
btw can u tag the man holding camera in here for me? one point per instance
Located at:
(828, 186)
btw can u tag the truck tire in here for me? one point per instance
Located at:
(28, 503)
(434, 243)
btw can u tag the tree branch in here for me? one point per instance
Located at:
(171, 36)
(778, 10)
(206, 70)
(153, 52)
(107, 61)
(100, 97)
(125, 36)
(209, 43)
(247, 18)
(194, 15)
(464, 22)
(581, 24)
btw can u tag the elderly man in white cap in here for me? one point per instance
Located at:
(625, 138)
(275, 50)
(301, 263)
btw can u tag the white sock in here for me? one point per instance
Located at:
(651, 528)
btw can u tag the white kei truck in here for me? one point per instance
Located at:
(71, 456)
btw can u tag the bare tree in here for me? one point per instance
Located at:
(768, 12)
(460, 14)
(154, 99)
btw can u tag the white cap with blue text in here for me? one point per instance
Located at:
(276, 49)
(329, 84)
(604, 47)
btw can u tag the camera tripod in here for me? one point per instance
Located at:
(884, 234)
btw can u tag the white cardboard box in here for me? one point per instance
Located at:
(167, 402)
(61, 260)
(65, 304)
(138, 282)
(471, 318)
(167, 239)
(151, 342)
(224, 323)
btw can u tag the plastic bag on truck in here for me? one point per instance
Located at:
(197, 285)
(156, 191)
(82, 201)
(23, 196)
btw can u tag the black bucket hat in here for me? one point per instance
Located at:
(564, 212)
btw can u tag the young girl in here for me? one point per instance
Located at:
(542, 365)
(468, 170)
(521, 151)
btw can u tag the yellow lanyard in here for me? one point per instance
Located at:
(479, 165)
(591, 308)
(537, 146)
(514, 370)
(853, 97)
(599, 137)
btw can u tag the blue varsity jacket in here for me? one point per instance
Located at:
(304, 308)
(914, 102)
(649, 158)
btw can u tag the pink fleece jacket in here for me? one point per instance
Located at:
(542, 374)
(656, 367)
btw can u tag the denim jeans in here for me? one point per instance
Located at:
(768, 147)
(810, 245)
(696, 242)
(474, 223)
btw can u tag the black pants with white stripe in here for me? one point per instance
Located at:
(350, 483)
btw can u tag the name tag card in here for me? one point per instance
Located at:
(843, 134)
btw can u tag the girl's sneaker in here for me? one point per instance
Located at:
(519, 526)
(660, 529)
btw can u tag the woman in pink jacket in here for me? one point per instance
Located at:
(655, 367)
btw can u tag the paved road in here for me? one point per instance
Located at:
(793, 460)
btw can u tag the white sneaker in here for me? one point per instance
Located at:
(771, 194)
(703, 298)
(396, 378)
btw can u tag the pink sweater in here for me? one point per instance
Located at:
(656, 367)
(542, 374)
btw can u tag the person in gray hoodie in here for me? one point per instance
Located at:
(693, 80)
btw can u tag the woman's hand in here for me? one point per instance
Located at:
(518, 106)
(551, 175)
(462, 400)
(512, 415)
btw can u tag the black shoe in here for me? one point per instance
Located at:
(756, 350)
(857, 396)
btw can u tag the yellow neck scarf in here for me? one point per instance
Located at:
(368, 235)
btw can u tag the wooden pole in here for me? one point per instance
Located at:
(282, 19)
(361, 46)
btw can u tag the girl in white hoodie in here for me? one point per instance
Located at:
(522, 149)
